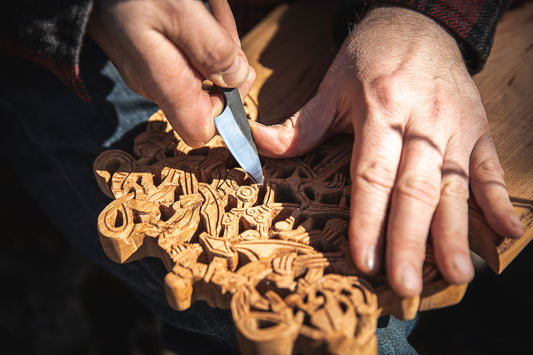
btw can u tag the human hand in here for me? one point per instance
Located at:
(420, 136)
(165, 49)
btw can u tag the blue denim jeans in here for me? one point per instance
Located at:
(50, 138)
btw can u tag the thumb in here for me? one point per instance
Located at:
(299, 134)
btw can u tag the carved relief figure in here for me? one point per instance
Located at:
(276, 254)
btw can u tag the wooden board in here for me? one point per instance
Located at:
(507, 92)
(277, 255)
(293, 47)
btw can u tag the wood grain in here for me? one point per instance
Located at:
(278, 255)
(505, 86)
(507, 91)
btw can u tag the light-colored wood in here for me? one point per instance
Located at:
(278, 255)
(290, 51)
(300, 32)
(507, 91)
(505, 87)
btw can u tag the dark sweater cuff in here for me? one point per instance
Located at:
(49, 33)
(472, 23)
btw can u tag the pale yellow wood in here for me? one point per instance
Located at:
(440, 294)
(399, 307)
(298, 33)
(505, 86)
(278, 255)
(507, 91)
(290, 51)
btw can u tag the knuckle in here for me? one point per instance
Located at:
(137, 82)
(378, 174)
(415, 248)
(285, 137)
(251, 76)
(455, 188)
(384, 89)
(420, 188)
(279, 149)
(194, 139)
(195, 143)
(218, 57)
(489, 167)
(193, 130)
(176, 10)
(386, 92)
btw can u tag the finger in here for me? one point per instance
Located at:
(245, 88)
(222, 12)
(375, 158)
(413, 203)
(449, 228)
(490, 191)
(207, 44)
(177, 89)
(300, 133)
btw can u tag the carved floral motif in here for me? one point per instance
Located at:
(276, 254)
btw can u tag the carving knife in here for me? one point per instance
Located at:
(232, 125)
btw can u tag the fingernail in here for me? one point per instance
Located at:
(370, 260)
(463, 265)
(237, 73)
(517, 224)
(410, 279)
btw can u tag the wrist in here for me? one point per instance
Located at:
(389, 38)
(404, 24)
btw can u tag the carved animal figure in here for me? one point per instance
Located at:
(277, 255)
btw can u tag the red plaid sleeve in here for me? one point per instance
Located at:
(49, 33)
(472, 23)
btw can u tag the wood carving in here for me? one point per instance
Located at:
(277, 255)
(282, 86)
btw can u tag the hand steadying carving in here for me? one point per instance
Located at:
(164, 50)
(421, 136)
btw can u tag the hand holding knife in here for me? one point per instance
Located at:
(232, 125)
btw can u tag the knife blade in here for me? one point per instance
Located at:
(232, 125)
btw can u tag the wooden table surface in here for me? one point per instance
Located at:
(507, 92)
(292, 48)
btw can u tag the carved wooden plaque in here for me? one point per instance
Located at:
(278, 254)
(292, 48)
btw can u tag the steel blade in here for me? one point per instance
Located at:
(239, 144)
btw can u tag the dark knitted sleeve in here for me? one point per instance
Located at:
(49, 33)
(472, 23)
